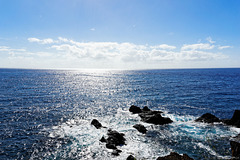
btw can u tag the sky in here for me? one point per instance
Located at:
(119, 34)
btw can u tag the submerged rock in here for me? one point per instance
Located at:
(140, 128)
(208, 118)
(235, 146)
(175, 156)
(235, 120)
(96, 123)
(135, 109)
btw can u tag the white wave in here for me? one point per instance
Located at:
(159, 141)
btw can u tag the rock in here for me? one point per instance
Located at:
(235, 146)
(155, 119)
(114, 139)
(111, 146)
(96, 123)
(235, 120)
(175, 156)
(135, 109)
(103, 139)
(116, 152)
(140, 128)
(150, 116)
(207, 118)
(146, 109)
(130, 157)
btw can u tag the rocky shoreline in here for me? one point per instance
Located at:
(116, 139)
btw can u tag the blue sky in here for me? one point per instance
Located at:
(119, 34)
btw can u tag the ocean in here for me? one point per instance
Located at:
(46, 114)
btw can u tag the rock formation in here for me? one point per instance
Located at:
(235, 146)
(149, 116)
(175, 156)
(96, 123)
(208, 118)
(235, 120)
(140, 128)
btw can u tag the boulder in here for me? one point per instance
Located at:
(235, 146)
(96, 123)
(175, 156)
(130, 157)
(114, 139)
(135, 109)
(208, 118)
(156, 119)
(235, 120)
(140, 128)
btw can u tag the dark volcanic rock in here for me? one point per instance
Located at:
(96, 123)
(150, 116)
(155, 119)
(116, 152)
(207, 118)
(175, 156)
(135, 109)
(140, 128)
(130, 157)
(103, 139)
(235, 120)
(235, 146)
(114, 139)
(146, 109)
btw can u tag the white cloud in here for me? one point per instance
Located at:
(10, 50)
(100, 54)
(224, 47)
(92, 29)
(202, 46)
(129, 52)
(164, 46)
(200, 55)
(43, 41)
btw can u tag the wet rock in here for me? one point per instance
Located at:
(156, 119)
(114, 139)
(135, 109)
(235, 146)
(103, 140)
(146, 109)
(116, 152)
(208, 118)
(111, 146)
(140, 128)
(150, 116)
(175, 156)
(235, 120)
(130, 157)
(96, 123)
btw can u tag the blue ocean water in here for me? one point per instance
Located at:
(46, 114)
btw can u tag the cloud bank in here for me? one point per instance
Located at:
(65, 53)
(129, 52)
